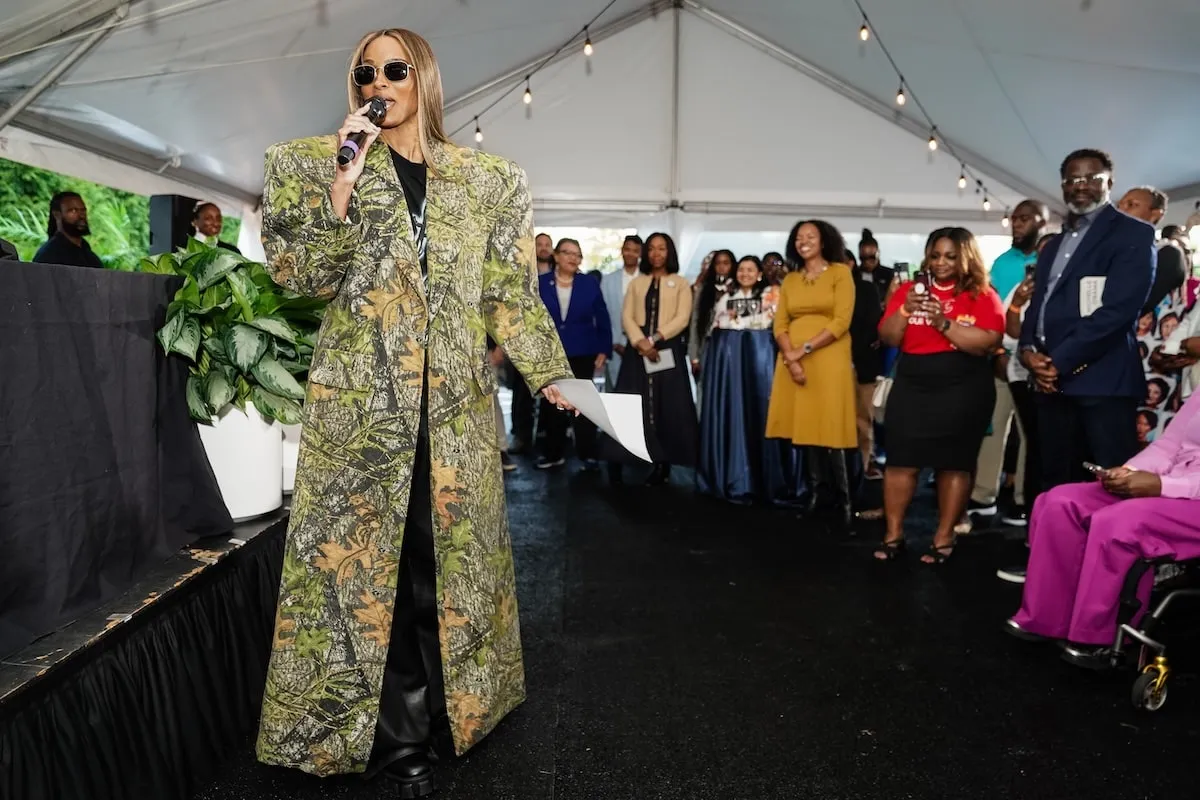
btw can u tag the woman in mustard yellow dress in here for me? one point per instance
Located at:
(813, 395)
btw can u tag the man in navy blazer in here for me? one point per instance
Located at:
(586, 333)
(1079, 335)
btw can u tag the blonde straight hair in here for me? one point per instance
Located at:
(430, 127)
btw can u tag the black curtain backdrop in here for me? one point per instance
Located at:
(154, 706)
(102, 473)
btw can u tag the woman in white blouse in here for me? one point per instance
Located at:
(737, 462)
(751, 306)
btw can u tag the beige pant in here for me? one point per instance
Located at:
(990, 463)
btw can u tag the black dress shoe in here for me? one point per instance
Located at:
(659, 475)
(1089, 657)
(1017, 632)
(415, 775)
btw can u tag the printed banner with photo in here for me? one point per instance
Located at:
(1163, 391)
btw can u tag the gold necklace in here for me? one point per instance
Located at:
(808, 276)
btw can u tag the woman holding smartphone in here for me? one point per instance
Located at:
(946, 323)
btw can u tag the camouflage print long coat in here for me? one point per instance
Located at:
(382, 332)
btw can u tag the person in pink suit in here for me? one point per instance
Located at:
(1085, 537)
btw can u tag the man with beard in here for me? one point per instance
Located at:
(68, 225)
(1028, 221)
(1078, 338)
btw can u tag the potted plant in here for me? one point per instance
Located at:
(250, 344)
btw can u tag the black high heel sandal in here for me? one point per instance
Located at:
(939, 555)
(890, 550)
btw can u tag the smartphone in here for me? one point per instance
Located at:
(903, 271)
(1030, 269)
(1095, 469)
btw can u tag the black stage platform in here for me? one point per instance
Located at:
(143, 696)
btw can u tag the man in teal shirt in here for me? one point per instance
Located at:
(1028, 221)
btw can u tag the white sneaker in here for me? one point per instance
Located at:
(1014, 575)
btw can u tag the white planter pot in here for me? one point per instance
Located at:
(246, 453)
(291, 454)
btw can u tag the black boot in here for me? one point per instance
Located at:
(415, 775)
(812, 468)
(839, 473)
(659, 475)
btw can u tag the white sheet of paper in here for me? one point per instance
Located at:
(1091, 295)
(666, 361)
(618, 415)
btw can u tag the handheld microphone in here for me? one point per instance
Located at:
(354, 142)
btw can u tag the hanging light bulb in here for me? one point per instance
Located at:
(933, 139)
(1004, 221)
(900, 98)
(864, 32)
(987, 204)
(528, 93)
(478, 131)
(587, 44)
(962, 180)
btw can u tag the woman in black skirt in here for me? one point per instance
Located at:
(655, 317)
(947, 323)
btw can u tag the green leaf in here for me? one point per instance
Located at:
(244, 293)
(245, 345)
(188, 340)
(272, 405)
(218, 391)
(170, 332)
(284, 350)
(197, 408)
(295, 367)
(243, 392)
(276, 326)
(216, 348)
(194, 246)
(211, 265)
(189, 293)
(274, 377)
(216, 296)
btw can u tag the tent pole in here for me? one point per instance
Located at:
(673, 192)
(51, 77)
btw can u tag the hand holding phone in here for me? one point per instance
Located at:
(1095, 469)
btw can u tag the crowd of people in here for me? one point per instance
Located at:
(1063, 370)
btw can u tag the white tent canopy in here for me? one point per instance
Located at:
(692, 115)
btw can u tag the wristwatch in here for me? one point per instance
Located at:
(945, 325)
(808, 348)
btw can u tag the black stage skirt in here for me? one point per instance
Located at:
(737, 462)
(668, 410)
(938, 410)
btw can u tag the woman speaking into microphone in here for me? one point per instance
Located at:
(397, 626)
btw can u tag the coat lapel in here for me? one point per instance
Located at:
(446, 199)
(382, 186)
(552, 305)
(1092, 237)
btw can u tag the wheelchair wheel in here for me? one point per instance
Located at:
(1150, 690)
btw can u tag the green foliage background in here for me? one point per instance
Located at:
(120, 221)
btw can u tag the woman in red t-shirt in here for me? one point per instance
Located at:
(947, 324)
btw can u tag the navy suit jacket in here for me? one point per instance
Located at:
(1096, 355)
(585, 328)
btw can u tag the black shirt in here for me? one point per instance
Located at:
(61, 250)
(881, 277)
(413, 178)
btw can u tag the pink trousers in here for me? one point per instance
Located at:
(1083, 541)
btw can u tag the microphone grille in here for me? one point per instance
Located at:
(377, 111)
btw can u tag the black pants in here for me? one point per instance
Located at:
(583, 367)
(412, 707)
(1078, 429)
(1026, 408)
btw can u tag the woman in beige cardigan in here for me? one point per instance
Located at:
(655, 318)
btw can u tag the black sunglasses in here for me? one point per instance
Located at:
(394, 71)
